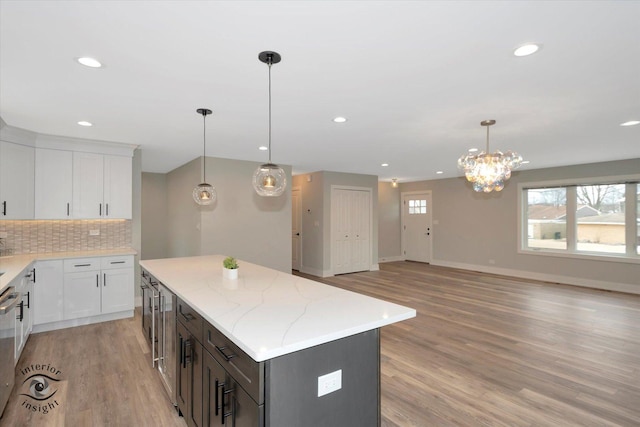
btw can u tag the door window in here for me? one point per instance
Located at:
(417, 207)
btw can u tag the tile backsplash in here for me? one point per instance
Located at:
(40, 236)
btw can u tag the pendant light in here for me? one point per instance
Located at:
(269, 180)
(204, 194)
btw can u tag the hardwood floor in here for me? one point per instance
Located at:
(484, 350)
(489, 350)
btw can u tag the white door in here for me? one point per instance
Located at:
(117, 290)
(48, 292)
(296, 227)
(81, 294)
(117, 187)
(16, 181)
(87, 185)
(350, 225)
(416, 226)
(54, 183)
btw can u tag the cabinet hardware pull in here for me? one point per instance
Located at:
(82, 265)
(97, 280)
(107, 209)
(119, 262)
(223, 414)
(21, 315)
(34, 275)
(217, 386)
(187, 357)
(4, 208)
(67, 209)
(226, 357)
(29, 299)
(100, 210)
(104, 279)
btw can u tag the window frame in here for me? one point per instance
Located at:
(631, 254)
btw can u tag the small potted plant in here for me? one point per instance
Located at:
(230, 270)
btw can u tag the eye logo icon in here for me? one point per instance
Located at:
(40, 387)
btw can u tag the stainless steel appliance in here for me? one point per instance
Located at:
(8, 302)
(159, 326)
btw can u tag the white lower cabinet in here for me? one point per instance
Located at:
(24, 318)
(48, 291)
(78, 288)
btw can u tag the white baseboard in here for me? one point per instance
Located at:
(315, 271)
(391, 259)
(567, 280)
(63, 324)
(375, 267)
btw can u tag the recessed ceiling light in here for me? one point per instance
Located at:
(630, 123)
(384, 165)
(439, 172)
(526, 49)
(89, 62)
(263, 148)
(473, 150)
(525, 162)
(85, 123)
(340, 119)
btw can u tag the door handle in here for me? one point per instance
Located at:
(4, 208)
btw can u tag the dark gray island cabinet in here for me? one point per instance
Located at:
(272, 349)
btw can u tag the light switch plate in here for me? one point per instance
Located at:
(329, 383)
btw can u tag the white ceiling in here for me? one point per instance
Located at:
(414, 79)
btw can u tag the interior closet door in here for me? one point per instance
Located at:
(350, 224)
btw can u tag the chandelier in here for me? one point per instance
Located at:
(269, 180)
(487, 171)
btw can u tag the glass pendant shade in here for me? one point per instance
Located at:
(269, 180)
(204, 194)
(489, 171)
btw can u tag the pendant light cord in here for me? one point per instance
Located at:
(488, 139)
(269, 64)
(204, 148)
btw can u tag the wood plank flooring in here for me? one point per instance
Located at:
(484, 350)
(488, 350)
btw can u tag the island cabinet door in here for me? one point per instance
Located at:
(189, 378)
(225, 401)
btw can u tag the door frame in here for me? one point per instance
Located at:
(402, 239)
(331, 209)
(299, 189)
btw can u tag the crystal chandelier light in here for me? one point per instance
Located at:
(487, 171)
(204, 194)
(269, 180)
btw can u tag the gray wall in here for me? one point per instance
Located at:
(473, 228)
(240, 223)
(155, 243)
(316, 216)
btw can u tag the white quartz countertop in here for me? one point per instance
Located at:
(11, 266)
(268, 313)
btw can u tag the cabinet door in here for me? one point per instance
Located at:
(48, 292)
(54, 184)
(81, 294)
(16, 181)
(117, 290)
(87, 185)
(183, 383)
(118, 184)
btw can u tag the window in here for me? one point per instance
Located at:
(582, 219)
(417, 207)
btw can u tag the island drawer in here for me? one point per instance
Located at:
(190, 319)
(246, 371)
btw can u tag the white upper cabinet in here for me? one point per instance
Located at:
(88, 179)
(54, 184)
(16, 181)
(102, 186)
(118, 183)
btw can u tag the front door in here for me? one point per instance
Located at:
(416, 226)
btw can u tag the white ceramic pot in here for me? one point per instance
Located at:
(229, 273)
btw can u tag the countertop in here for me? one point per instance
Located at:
(268, 313)
(13, 265)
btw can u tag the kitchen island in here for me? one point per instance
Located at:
(310, 351)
